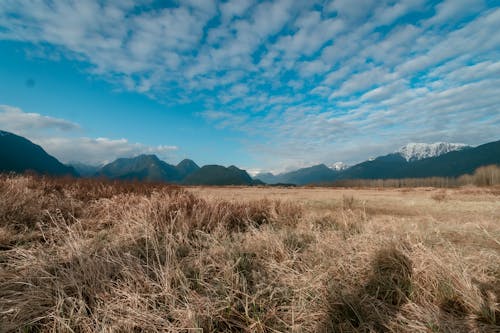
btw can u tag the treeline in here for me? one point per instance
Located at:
(483, 176)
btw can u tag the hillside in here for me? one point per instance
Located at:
(186, 167)
(417, 151)
(85, 170)
(218, 175)
(142, 168)
(451, 164)
(314, 174)
(151, 168)
(18, 154)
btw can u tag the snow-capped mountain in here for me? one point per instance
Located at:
(417, 151)
(339, 166)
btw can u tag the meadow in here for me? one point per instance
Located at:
(100, 256)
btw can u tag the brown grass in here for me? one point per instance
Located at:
(96, 256)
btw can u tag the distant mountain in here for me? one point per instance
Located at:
(219, 175)
(451, 164)
(315, 174)
(381, 167)
(455, 163)
(418, 151)
(413, 160)
(18, 154)
(339, 166)
(267, 178)
(151, 168)
(186, 167)
(85, 170)
(143, 168)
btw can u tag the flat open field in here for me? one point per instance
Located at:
(85, 256)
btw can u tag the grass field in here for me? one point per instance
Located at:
(90, 256)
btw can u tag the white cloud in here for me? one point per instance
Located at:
(57, 137)
(234, 8)
(224, 119)
(322, 91)
(99, 150)
(311, 68)
(450, 11)
(13, 119)
(312, 32)
(362, 81)
(347, 10)
(384, 92)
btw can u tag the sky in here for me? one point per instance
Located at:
(264, 85)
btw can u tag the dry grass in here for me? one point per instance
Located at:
(91, 256)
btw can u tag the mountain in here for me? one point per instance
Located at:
(418, 151)
(451, 164)
(455, 163)
(315, 174)
(18, 154)
(85, 170)
(267, 178)
(186, 167)
(381, 167)
(143, 168)
(339, 166)
(219, 175)
(414, 160)
(151, 168)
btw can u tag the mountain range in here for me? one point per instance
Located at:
(18, 154)
(414, 160)
(151, 168)
(315, 174)
(143, 168)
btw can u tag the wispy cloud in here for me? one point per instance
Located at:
(302, 80)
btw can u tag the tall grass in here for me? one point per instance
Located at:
(92, 256)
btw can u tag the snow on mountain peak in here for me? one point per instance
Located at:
(339, 166)
(417, 151)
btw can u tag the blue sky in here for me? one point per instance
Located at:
(265, 85)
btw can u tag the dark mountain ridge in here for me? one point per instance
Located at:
(18, 154)
(142, 168)
(186, 167)
(314, 174)
(219, 175)
(151, 168)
